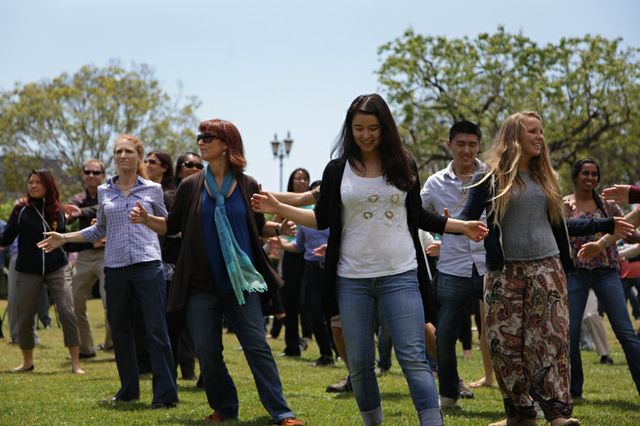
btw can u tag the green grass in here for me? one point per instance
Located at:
(53, 396)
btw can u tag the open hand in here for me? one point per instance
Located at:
(433, 249)
(320, 251)
(288, 228)
(475, 230)
(589, 250)
(275, 243)
(52, 241)
(617, 193)
(72, 211)
(264, 202)
(623, 229)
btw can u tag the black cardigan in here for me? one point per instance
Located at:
(328, 211)
(479, 200)
(192, 263)
(26, 223)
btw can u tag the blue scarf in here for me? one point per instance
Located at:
(242, 274)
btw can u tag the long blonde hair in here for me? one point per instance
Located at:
(502, 160)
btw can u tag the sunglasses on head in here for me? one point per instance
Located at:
(191, 165)
(207, 137)
(92, 172)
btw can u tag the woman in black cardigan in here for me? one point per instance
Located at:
(371, 204)
(207, 284)
(40, 211)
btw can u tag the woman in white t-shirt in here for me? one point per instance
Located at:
(371, 204)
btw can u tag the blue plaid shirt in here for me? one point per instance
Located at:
(127, 243)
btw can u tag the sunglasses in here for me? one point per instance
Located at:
(92, 172)
(151, 161)
(191, 165)
(207, 137)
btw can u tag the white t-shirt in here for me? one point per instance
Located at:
(375, 236)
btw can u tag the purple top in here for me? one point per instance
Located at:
(308, 239)
(127, 243)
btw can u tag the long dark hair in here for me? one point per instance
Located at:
(575, 172)
(52, 205)
(397, 164)
(167, 163)
(293, 175)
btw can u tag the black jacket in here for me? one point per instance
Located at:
(26, 222)
(328, 212)
(479, 200)
(192, 265)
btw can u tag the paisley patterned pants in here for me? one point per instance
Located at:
(528, 335)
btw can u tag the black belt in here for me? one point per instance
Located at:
(314, 264)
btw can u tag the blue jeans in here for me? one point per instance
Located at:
(606, 285)
(204, 321)
(143, 282)
(398, 299)
(384, 344)
(454, 295)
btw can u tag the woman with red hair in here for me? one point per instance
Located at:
(222, 270)
(40, 211)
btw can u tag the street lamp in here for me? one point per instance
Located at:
(281, 149)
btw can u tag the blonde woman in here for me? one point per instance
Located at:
(133, 270)
(528, 253)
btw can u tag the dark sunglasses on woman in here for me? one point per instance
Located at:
(191, 165)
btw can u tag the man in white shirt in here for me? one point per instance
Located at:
(461, 264)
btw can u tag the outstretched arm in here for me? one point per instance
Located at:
(623, 227)
(298, 198)
(265, 202)
(54, 240)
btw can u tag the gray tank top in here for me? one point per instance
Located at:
(526, 231)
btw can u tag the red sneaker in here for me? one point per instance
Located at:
(214, 417)
(291, 422)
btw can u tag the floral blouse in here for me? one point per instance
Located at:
(608, 260)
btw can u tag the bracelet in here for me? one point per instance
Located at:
(316, 193)
(278, 229)
(66, 239)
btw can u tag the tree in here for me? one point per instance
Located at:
(73, 117)
(586, 90)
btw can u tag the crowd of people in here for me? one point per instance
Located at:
(179, 253)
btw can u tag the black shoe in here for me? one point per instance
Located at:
(189, 376)
(606, 359)
(464, 391)
(289, 354)
(342, 386)
(87, 356)
(117, 398)
(323, 360)
(161, 405)
(304, 344)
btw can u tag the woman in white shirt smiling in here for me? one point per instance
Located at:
(370, 201)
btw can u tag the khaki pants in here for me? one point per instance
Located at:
(88, 270)
(28, 288)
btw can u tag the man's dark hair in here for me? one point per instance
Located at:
(466, 127)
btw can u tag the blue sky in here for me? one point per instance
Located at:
(271, 66)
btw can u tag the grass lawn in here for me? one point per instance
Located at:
(53, 396)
